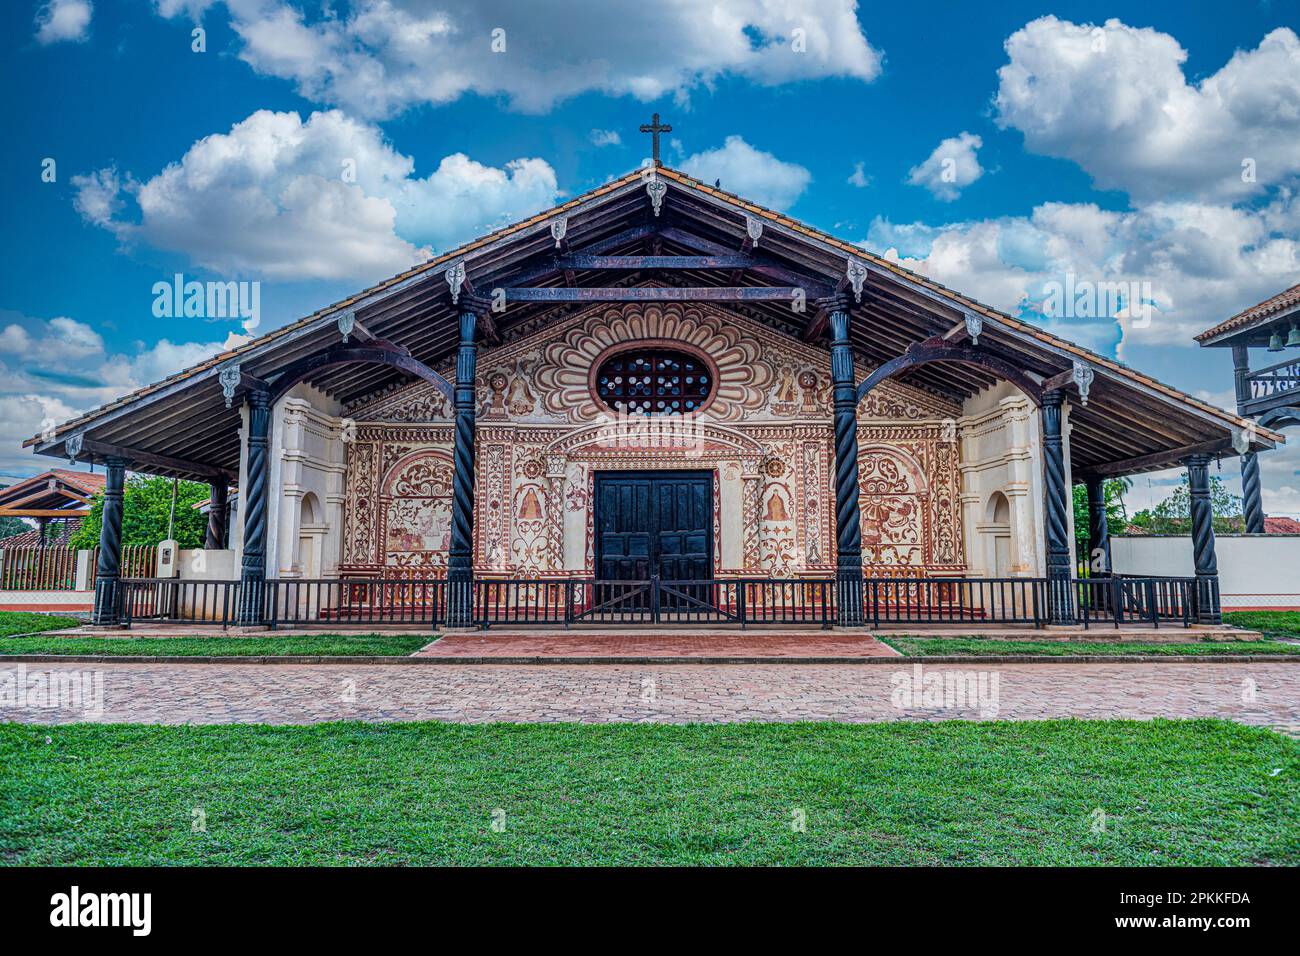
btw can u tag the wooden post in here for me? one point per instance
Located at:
(1098, 527)
(215, 539)
(1060, 597)
(1251, 490)
(252, 574)
(460, 559)
(1207, 565)
(848, 530)
(108, 571)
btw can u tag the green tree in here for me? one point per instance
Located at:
(146, 503)
(1174, 514)
(10, 526)
(1116, 512)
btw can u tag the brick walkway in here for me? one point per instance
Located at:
(629, 643)
(1267, 694)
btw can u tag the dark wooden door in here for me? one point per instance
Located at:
(654, 523)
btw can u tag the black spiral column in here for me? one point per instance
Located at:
(1207, 565)
(1251, 493)
(1252, 499)
(1060, 596)
(848, 529)
(108, 567)
(215, 539)
(1098, 527)
(252, 574)
(460, 560)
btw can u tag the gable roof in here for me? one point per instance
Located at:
(1270, 308)
(899, 307)
(55, 490)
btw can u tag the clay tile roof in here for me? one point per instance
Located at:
(89, 481)
(84, 483)
(1281, 526)
(1283, 300)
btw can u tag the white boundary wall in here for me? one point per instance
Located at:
(1255, 570)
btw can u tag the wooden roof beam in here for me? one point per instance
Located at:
(135, 456)
(1159, 460)
(756, 293)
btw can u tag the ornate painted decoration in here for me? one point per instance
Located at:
(455, 279)
(1083, 375)
(856, 273)
(543, 432)
(347, 321)
(229, 377)
(565, 374)
(657, 189)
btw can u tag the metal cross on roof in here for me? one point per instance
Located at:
(654, 129)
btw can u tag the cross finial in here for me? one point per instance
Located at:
(654, 129)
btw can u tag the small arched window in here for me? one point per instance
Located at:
(655, 381)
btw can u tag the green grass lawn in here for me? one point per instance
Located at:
(981, 647)
(28, 622)
(1172, 792)
(1272, 623)
(319, 645)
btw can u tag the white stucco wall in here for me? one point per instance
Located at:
(307, 456)
(1255, 570)
(999, 437)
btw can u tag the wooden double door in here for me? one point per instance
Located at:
(654, 524)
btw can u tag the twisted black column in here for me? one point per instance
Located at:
(108, 567)
(1060, 597)
(215, 539)
(460, 560)
(1098, 527)
(252, 573)
(1251, 491)
(1207, 565)
(848, 530)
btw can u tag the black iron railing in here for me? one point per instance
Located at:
(956, 600)
(1114, 599)
(302, 602)
(1128, 599)
(176, 600)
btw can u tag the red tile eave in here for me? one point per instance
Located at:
(81, 481)
(1277, 303)
(689, 182)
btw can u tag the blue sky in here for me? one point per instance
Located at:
(1101, 140)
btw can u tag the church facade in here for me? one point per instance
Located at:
(656, 384)
(761, 438)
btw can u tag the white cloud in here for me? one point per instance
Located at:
(63, 20)
(750, 172)
(51, 371)
(605, 137)
(328, 198)
(950, 168)
(385, 56)
(1115, 100)
(859, 176)
(1201, 263)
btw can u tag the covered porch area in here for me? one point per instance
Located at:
(272, 417)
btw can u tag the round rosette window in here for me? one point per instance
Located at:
(655, 381)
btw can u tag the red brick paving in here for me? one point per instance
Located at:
(616, 644)
(1255, 693)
